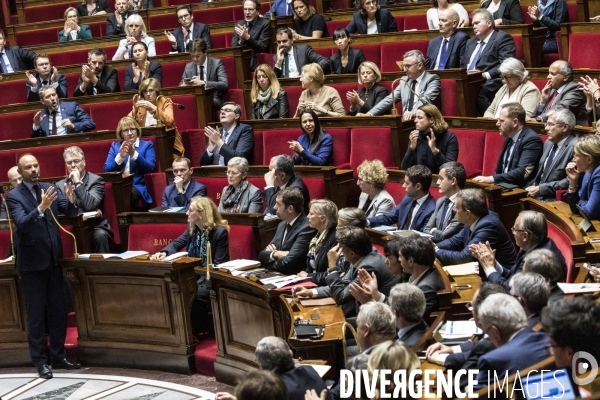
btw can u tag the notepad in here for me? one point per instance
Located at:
(574, 288)
(175, 256)
(470, 268)
(239, 265)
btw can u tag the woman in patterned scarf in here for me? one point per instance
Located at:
(240, 196)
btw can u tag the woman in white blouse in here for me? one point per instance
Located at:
(136, 32)
(433, 14)
(516, 88)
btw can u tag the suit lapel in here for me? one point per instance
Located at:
(489, 43)
(46, 122)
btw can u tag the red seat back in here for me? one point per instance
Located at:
(258, 148)
(275, 142)
(220, 40)
(396, 190)
(418, 22)
(50, 159)
(163, 46)
(153, 237)
(293, 93)
(107, 115)
(47, 12)
(491, 152)
(372, 52)
(4, 242)
(399, 22)
(38, 36)
(215, 15)
(341, 146)
(229, 65)
(162, 22)
(316, 188)
(241, 243)
(214, 187)
(95, 154)
(194, 142)
(472, 160)
(519, 47)
(172, 73)
(581, 46)
(237, 96)
(73, 57)
(539, 83)
(362, 148)
(564, 245)
(450, 99)
(156, 182)
(392, 52)
(13, 92)
(572, 7)
(188, 118)
(324, 51)
(342, 89)
(7, 161)
(333, 25)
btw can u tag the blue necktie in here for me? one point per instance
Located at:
(444, 211)
(476, 58)
(443, 55)
(3, 64)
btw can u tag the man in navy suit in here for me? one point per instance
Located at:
(38, 248)
(481, 226)
(183, 188)
(447, 50)
(517, 347)
(14, 58)
(59, 117)
(484, 53)
(189, 30)
(408, 303)
(232, 140)
(290, 59)
(45, 74)
(521, 151)
(281, 175)
(416, 207)
(115, 23)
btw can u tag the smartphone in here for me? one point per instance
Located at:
(587, 266)
(187, 79)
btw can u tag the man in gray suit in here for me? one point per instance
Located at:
(557, 153)
(443, 222)
(290, 59)
(205, 71)
(426, 86)
(561, 91)
(89, 195)
(408, 303)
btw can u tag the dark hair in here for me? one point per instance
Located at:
(292, 196)
(285, 164)
(261, 385)
(198, 45)
(455, 170)
(485, 290)
(545, 263)
(185, 160)
(340, 33)
(515, 111)
(311, 9)
(2, 33)
(419, 248)
(184, 7)
(420, 174)
(392, 248)
(256, 4)
(96, 51)
(286, 30)
(474, 200)
(318, 136)
(38, 56)
(354, 239)
(142, 44)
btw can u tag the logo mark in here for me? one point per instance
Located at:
(582, 362)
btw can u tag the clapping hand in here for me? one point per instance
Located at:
(484, 253)
(31, 78)
(124, 150)
(214, 138)
(70, 192)
(369, 282)
(412, 138)
(242, 32)
(295, 146)
(534, 12)
(354, 98)
(431, 141)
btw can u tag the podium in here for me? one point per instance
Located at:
(134, 313)
(14, 350)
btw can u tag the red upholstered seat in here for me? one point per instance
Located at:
(324, 51)
(121, 78)
(258, 148)
(16, 126)
(293, 93)
(396, 190)
(333, 25)
(399, 23)
(341, 146)
(153, 237)
(68, 242)
(581, 46)
(38, 36)
(74, 57)
(107, 115)
(13, 92)
(4, 241)
(564, 245)
(519, 47)
(338, 5)
(47, 12)
(194, 142)
(435, 192)
(362, 142)
(342, 89)
(237, 96)
(156, 182)
(372, 52)
(241, 243)
(110, 210)
(50, 159)
(72, 80)
(491, 152)
(265, 58)
(162, 22)
(95, 154)
(214, 187)
(163, 46)
(392, 52)
(526, 18)
(275, 142)
(449, 97)
(540, 83)
(206, 355)
(187, 118)
(214, 15)
(418, 22)
(8, 160)
(316, 188)
(472, 160)
(229, 65)
(220, 40)
(172, 73)
(572, 7)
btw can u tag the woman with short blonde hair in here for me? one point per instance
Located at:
(324, 100)
(371, 93)
(392, 355)
(136, 32)
(73, 30)
(586, 160)
(374, 199)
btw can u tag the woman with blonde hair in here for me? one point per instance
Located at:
(132, 156)
(93, 7)
(268, 99)
(136, 32)
(431, 144)
(392, 355)
(324, 100)
(586, 160)
(150, 108)
(307, 23)
(72, 29)
(374, 199)
(372, 92)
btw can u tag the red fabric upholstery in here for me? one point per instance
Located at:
(16, 125)
(172, 73)
(265, 58)
(7, 161)
(163, 46)
(110, 210)
(121, 78)
(12, 93)
(107, 115)
(324, 51)
(371, 144)
(519, 47)
(229, 65)
(72, 80)
(220, 40)
(491, 152)
(206, 352)
(188, 118)
(47, 12)
(316, 188)
(74, 57)
(539, 83)
(581, 46)
(558, 42)
(338, 5)
(450, 99)
(418, 22)
(341, 146)
(237, 96)
(50, 159)
(392, 52)
(241, 243)
(153, 237)
(293, 93)
(194, 142)
(38, 36)
(435, 192)
(156, 182)
(564, 245)
(68, 242)
(333, 25)
(399, 23)
(162, 22)
(548, 59)
(214, 187)
(342, 90)
(215, 15)
(258, 148)
(275, 142)
(4, 241)
(472, 160)
(95, 154)
(372, 52)
(572, 7)
(396, 190)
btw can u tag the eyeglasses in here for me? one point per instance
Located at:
(148, 91)
(408, 66)
(73, 162)
(506, 77)
(517, 230)
(552, 124)
(233, 173)
(129, 131)
(226, 110)
(186, 16)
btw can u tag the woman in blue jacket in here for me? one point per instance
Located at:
(586, 160)
(314, 147)
(371, 19)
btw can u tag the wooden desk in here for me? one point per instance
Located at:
(109, 295)
(14, 349)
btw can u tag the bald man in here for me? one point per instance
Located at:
(446, 50)
(14, 177)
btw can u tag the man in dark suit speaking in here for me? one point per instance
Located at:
(38, 248)
(59, 117)
(447, 50)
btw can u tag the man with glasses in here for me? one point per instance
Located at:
(183, 188)
(59, 117)
(518, 161)
(115, 23)
(233, 139)
(89, 195)
(45, 74)
(205, 71)
(97, 77)
(252, 32)
(182, 37)
(417, 88)
(446, 50)
(557, 153)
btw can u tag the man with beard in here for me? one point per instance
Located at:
(96, 77)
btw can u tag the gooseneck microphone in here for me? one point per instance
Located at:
(12, 245)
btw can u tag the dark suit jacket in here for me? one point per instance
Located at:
(385, 22)
(317, 275)
(143, 165)
(451, 225)
(355, 58)
(215, 76)
(500, 46)
(300, 379)
(37, 240)
(455, 250)
(524, 350)
(456, 50)
(412, 336)
(297, 240)
(422, 155)
(61, 89)
(377, 94)
(468, 360)
(240, 144)
(218, 239)
(430, 282)
(571, 98)
(69, 110)
(270, 194)
(154, 71)
(556, 176)
(111, 25)
(523, 163)
(399, 214)
(250, 200)
(275, 108)
(170, 195)
(199, 31)
(84, 33)
(510, 11)
(20, 59)
(107, 83)
(259, 41)
(303, 54)
(101, 5)
(588, 197)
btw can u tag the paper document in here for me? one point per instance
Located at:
(90, 214)
(124, 256)
(175, 256)
(326, 301)
(470, 268)
(574, 288)
(385, 228)
(9, 259)
(410, 232)
(239, 265)
(321, 369)
(281, 281)
(458, 329)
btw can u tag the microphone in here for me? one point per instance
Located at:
(76, 253)
(394, 111)
(209, 266)
(180, 106)
(12, 245)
